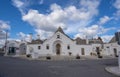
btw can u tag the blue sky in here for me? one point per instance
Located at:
(78, 18)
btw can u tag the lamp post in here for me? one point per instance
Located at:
(6, 42)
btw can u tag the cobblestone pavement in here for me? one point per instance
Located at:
(16, 67)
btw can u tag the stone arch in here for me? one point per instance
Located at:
(11, 48)
(115, 51)
(57, 47)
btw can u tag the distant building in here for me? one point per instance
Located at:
(112, 48)
(117, 36)
(15, 48)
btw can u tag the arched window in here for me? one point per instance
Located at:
(47, 47)
(68, 47)
(58, 36)
(82, 51)
(39, 47)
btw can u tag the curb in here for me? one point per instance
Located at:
(113, 70)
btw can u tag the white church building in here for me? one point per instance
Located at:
(62, 45)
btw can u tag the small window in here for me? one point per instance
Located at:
(58, 36)
(39, 47)
(24, 48)
(68, 47)
(82, 51)
(47, 47)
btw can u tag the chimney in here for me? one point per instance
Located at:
(38, 36)
(30, 37)
(87, 41)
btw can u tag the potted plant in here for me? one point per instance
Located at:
(70, 53)
(78, 56)
(28, 55)
(48, 57)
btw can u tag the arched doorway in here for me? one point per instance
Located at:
(12, 49)
(115, 52)
(58, 49)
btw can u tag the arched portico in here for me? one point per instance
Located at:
(57, 47)
(11, 48)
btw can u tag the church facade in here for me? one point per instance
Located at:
(61, 44)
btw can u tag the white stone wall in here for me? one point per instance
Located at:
(11, 44)
(94, 46)
(109, 48)
(87, 50)
(16, 45)
(64, 41)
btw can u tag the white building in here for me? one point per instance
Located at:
(112, 48)
(15, 48)
(61, 44)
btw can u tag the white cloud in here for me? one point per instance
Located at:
(82, 36)
(4, 26)
(90, 31)
(2, 35)
(107, 38)
(2, 42)
(104, 19)
(27, 38)
(18, 3)
(117, 15)
(90, 5)
(41, 2)
(23, 36)
(70, 18)
(117, 4)
(43, 34)
(21, 5)
(104, 30)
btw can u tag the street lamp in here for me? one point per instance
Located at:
(6, 34)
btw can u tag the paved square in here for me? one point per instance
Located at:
(15, 67)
